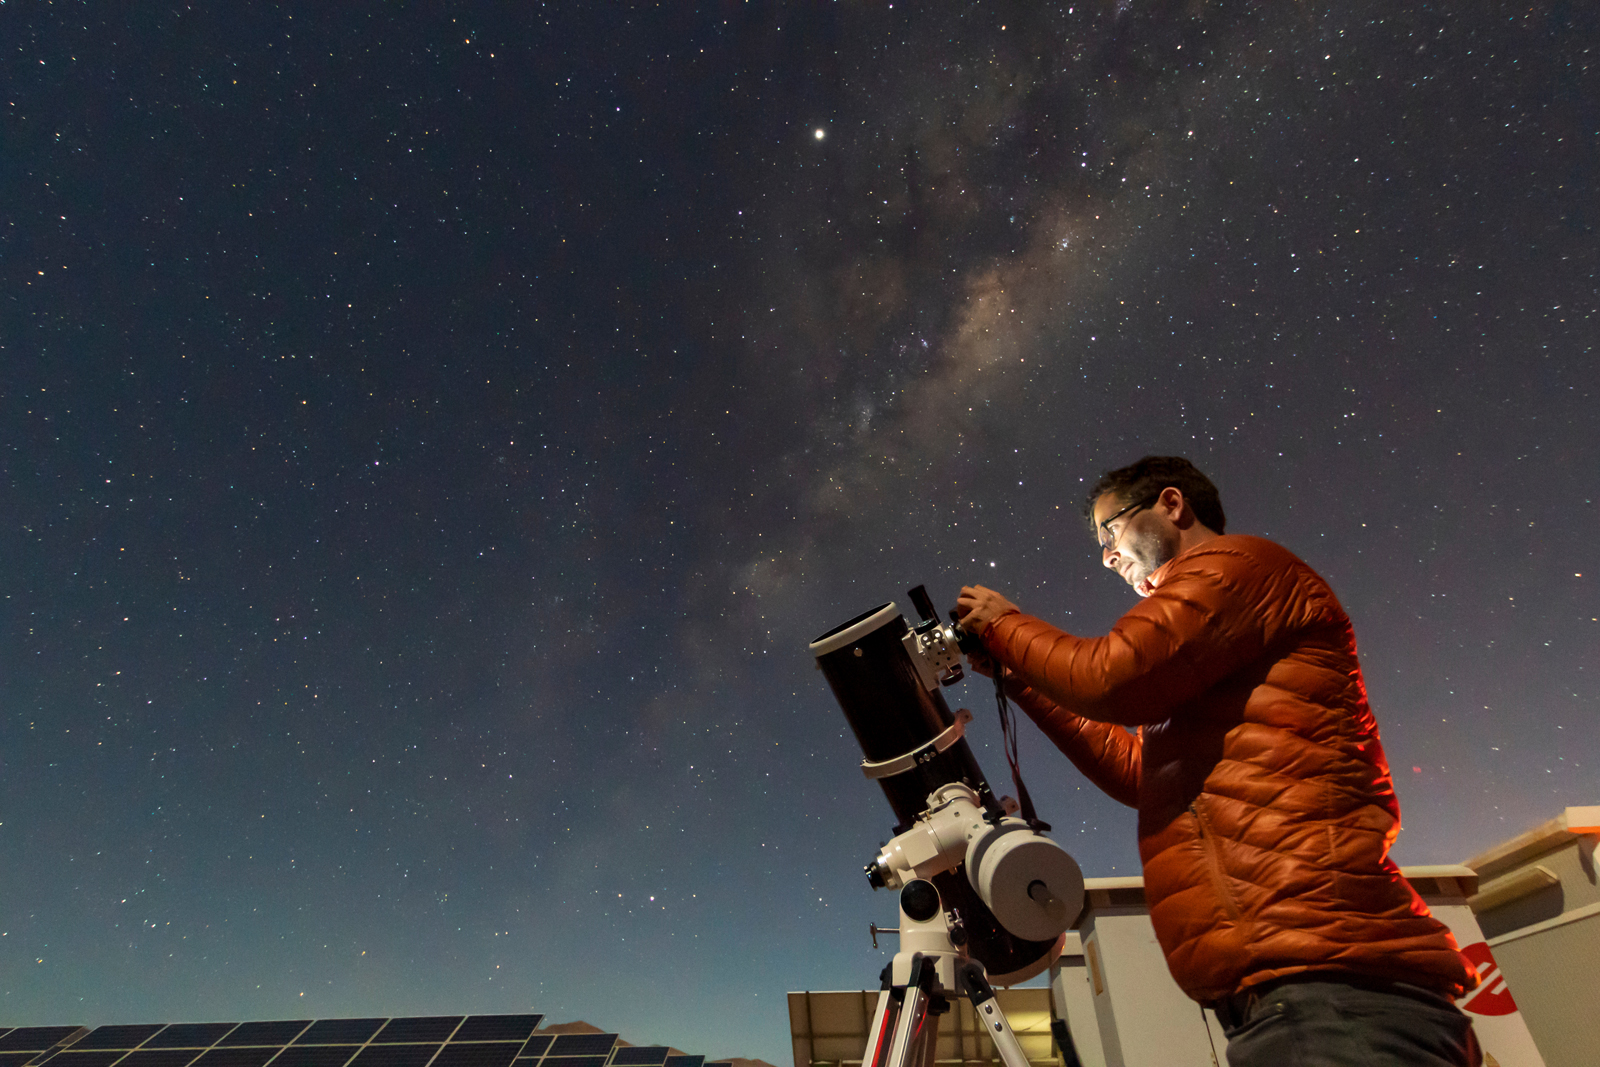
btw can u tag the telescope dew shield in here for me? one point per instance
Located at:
(892, 714)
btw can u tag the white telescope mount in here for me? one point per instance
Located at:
(923, 977)
(1033, 887)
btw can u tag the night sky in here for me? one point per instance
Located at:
(431, 434)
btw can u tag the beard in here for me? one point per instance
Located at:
(1147, 550)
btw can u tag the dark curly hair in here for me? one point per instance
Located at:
(1152, 474)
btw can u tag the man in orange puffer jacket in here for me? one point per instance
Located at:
(1228, 708)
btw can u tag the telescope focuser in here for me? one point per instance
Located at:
(935, 646)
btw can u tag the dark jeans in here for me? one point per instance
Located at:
(1337, 1024)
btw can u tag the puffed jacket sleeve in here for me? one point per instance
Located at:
(1108, 755)
(1199, 626)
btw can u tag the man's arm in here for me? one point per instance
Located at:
(1108, 755)
(1197, 627)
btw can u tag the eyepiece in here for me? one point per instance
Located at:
(875, 876)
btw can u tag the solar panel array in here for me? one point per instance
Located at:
(424, 1041)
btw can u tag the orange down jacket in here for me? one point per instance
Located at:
(1266, 809)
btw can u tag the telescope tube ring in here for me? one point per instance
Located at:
(900, 764)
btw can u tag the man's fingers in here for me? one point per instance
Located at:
(977, 606)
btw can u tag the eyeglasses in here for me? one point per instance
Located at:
(1108, 541)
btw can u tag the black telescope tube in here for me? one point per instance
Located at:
(892, 714)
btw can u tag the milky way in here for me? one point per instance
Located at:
(432, 441)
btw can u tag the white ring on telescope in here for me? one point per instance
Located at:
(899, 764)
(851, 634)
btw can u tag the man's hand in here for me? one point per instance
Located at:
(978, 606)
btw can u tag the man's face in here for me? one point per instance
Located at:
(1136, 543)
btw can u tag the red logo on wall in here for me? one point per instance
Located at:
(1493, 997)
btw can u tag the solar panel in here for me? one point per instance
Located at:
(339, 1031)
(116, 1037)
(498, 1027)
(433, 1028)
(36, 1038)
(419, 1041)
(100, 1058)
(641, 1056)
(394, 1056)
(481, 1054)
(268, 1033)
(582, 1044)
(236, 1057)
(160, 1057)
(189, 1035)
(316, 1056)
(537, 1044)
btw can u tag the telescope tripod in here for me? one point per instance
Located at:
(905, 1027)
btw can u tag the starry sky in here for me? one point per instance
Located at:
(430, 435)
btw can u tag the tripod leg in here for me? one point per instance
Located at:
(913, 1014)
(883, 1021)
(990, 1017)
(1064, 1043)
(928, 1050)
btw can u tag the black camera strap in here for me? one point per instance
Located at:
(1008, 736)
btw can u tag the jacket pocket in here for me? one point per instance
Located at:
(1213, 862)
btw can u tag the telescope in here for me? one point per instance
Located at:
(984, 895)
